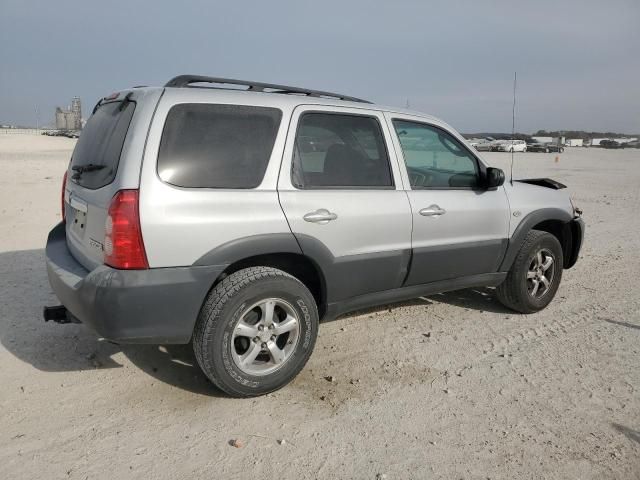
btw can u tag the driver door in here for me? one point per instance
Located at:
(459, 228)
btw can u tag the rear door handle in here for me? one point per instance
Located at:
(432, 211)
(321, 216)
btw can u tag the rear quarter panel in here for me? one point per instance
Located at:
(180, 225)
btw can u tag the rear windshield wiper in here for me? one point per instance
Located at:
(80, 169)
(89, 167)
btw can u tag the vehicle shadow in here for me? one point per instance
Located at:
(482, 299)
(49, 347)
(631, 434)
(622, 324)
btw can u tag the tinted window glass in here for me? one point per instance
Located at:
(334, 150)
(217, 146)
(101, 143)
(435, 159)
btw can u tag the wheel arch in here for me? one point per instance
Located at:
(280, 250)
(555, 221)
(297, 265)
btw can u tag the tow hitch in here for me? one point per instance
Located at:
(58, 314)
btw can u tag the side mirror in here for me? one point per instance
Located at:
(495, 177)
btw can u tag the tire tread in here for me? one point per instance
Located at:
(508, 291)
(210, 314)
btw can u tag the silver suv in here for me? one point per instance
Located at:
(236, 215)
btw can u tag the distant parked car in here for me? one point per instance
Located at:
(544, 147)
(510, 146)
(484, 147)
(538, 147)
(555, 148)
(610, 144)
(634, 144)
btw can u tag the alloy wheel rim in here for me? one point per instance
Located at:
(541, 273)
(265, 337)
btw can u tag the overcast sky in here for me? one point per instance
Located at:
(578, 63)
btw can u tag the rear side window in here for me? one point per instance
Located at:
(340, 151)
(217, 146)
(101, 144)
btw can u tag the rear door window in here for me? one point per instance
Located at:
(101, 144)
(217, 146)
(340, 151)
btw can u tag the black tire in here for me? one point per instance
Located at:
(213, 334)
(516, 290)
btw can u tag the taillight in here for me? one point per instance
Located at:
(123, 245)
(64, 187)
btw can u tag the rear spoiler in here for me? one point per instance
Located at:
(543, 182)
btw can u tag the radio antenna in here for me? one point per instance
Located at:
(513, 122)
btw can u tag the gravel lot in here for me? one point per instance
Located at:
(449, 386)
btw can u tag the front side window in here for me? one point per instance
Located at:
(217, 146)
(434, 158)
(340, 151)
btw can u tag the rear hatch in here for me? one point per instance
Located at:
(90, 185)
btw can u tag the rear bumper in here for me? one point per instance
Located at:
(129, 306)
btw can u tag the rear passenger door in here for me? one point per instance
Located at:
(342, 194)
(460, 229)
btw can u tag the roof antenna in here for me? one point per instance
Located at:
(513, 122)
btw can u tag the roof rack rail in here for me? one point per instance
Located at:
(182, 81)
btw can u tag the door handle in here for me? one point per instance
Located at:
(432, 211)
(321, 216)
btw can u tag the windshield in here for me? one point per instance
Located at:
(101, 144)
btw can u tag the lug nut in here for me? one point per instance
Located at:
(256, 340)
(273, 337)
(261, 327)
(264, 345)
(272, 326)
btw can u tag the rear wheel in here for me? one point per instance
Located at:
(535, 275)
(256, 331)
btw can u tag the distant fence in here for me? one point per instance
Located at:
(23, 131)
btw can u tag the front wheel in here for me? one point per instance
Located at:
(256, 331)
(535, 275)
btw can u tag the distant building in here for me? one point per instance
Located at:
(70, 119)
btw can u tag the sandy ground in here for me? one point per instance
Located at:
(450, 386)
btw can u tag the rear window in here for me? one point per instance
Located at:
(217, 146)
(101, 143)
